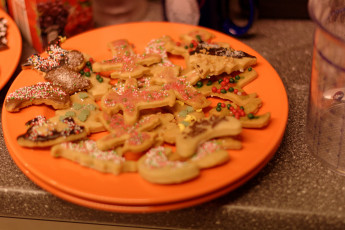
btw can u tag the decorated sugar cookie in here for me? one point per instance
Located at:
(60, 66)
(130, 99)
(40, 93)
(166, 76)
(84, 110)
(125, 63)
(132, 137)
(205, 129)
(210, 154)
(86, 153)
(212, 60)
(42, 132)
(155, 167)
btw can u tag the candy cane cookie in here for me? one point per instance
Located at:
(155, 167)
(210, 154)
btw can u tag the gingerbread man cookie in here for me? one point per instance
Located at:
(125, 63)
(130, 99)
(168, 79)
(134, 137)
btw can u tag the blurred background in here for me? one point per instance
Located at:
(40, 21)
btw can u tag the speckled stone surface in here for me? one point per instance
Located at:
(293, 191)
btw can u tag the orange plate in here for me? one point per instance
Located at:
(139, 208)
(129, 188)
(9, 58)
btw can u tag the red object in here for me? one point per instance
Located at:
(41, 21)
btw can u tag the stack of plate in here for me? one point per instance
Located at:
(128, 192)
(9, 58)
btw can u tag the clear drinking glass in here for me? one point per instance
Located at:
(325, 134)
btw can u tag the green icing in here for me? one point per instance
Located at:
(83, 95)
(185, 123)
(77, 106)
(70, 114)
(83, 115)
(183, 113)
(189, 109)
(91, 107)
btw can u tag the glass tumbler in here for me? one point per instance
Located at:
(325, 134)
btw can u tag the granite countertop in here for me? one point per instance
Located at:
(293, 190)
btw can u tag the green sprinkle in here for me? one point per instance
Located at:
(231, 89)
(219, 104)
(241, 107)
(83, 95)
(198, 37)
(223, 91)
(209, 82)
(250, 116)
(237, 77)
(186, 47)
(228, 106)
(199, 84)
(220, 81)
(87, 74)
(250, 69)
(191, 45)
(219, 108)
(232, 80)
(99, 78)
(81, 72)
(88, 63)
